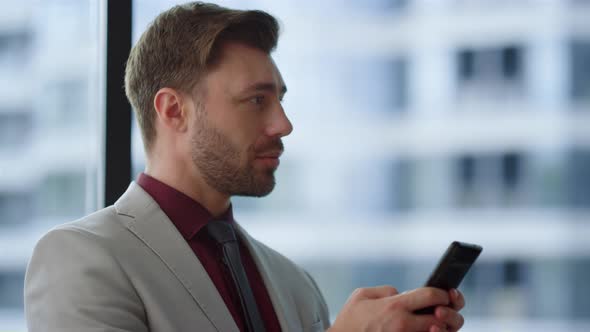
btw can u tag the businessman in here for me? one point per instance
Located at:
(168, 255)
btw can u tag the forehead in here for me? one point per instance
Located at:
(240, 66)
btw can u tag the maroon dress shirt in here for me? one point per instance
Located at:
(190, 217)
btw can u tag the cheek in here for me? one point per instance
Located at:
(242, 144)
(246, 138)
(242, 128)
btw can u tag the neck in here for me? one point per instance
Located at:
(190, 184)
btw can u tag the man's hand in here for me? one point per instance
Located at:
(384, 309)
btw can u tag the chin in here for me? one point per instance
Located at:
(259, 188)
(265, 192)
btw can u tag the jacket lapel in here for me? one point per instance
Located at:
(151, 225)
(281, 299)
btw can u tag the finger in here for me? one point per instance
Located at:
(374, 292)
(420, 323)
(457, 299)
(436, 328)
(423, 297)
(450, 317)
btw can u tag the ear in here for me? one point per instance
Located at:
(169, 106)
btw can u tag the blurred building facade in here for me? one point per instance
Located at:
(49, 125)
(416, 123)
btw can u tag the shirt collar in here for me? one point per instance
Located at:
(186, 214)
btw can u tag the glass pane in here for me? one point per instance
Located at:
(418, 123)
(49, 130)
(580, 67)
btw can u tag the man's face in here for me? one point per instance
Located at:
(239, 122)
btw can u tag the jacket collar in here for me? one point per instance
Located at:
(151, 225)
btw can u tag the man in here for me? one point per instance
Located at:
(165, 256)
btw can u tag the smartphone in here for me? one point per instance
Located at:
(452, 268)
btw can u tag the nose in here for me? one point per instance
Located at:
(279, 124)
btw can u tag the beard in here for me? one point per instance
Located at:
(227, 169)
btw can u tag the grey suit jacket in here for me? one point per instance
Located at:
(127, 268)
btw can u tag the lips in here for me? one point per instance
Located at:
(270, 154)
(269, 159)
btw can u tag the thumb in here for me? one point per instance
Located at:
(374, 292)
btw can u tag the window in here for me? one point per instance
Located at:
(403, 185)
(490, 73)
(399, 93)
(15, 46)
(511, 170)
(15, 129)
(466, 64)
(491, 180)
(11, 288)
(514, 185)
(16, 208)
(466, 180)
(580, 70)
(578, 178)
(466, 166)
(511, 63)
(580, 274)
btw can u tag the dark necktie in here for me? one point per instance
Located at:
(224, 234)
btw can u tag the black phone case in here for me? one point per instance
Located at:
(452, 268)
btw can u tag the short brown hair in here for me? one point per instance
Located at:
(180, 45)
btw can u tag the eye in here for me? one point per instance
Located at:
(258, 100)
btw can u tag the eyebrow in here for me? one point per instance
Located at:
(264, 86)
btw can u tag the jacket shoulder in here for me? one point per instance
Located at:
(104, 226)
(73, 266)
